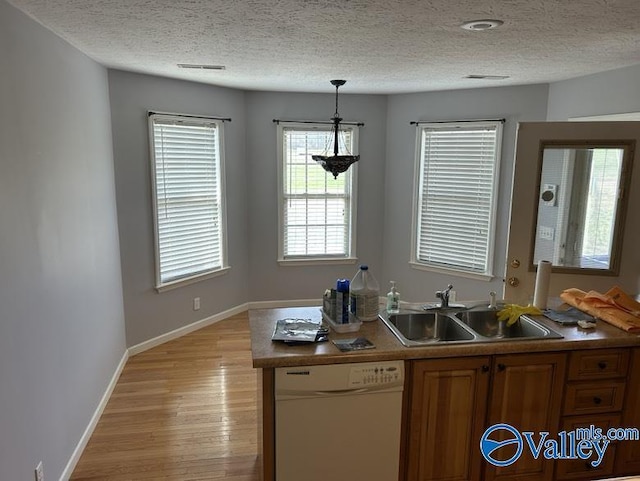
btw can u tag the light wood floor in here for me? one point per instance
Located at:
(185, 410)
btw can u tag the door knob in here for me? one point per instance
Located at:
(513, 281)
(515, 263)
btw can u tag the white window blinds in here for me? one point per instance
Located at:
(189, 214)
(317, 212)
(457, 188)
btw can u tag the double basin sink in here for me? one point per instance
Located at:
(462, 326)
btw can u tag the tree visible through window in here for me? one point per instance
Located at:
(317, 212)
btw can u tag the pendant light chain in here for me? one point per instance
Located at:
(337, 163)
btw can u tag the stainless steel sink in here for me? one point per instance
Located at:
(466, 326)
(420, 328)
(485, 323)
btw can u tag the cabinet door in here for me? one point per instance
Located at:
(628, 452)
(575, 469)
(526, 394)
(448, 405)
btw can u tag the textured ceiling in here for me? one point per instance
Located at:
(379, 46)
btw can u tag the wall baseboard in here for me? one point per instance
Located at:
(93, 422)
(156, 341)
(277, 304)
(181, 331)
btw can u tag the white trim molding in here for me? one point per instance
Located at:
(281, 304)
(181, 331)
(156, 341)
(93, 422)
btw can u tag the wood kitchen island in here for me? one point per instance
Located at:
(454, 392)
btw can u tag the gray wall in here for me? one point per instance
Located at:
(612, 92)
(149, 313)
(251, 183)
(268, 280)
(61, 312)
(515, 104)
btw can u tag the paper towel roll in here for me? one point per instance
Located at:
(541, 291)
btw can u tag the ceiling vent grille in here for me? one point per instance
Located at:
(487, 77)
(201, 67)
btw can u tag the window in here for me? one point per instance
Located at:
(187, 177)
(456, 196)
(317, 212)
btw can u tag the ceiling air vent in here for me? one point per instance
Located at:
(487, 77)
(201, 67)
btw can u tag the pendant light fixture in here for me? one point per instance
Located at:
(336, 164)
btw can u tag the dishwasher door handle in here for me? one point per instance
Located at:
(340, 392)
(288, 395)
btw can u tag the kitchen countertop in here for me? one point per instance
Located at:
(269, 354)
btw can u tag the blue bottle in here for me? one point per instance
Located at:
(342, 301)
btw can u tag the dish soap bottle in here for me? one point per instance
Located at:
(393, 299)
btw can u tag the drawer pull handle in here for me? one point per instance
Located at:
(485, 368)
(501, 367)
(602, 365)
(597, 400)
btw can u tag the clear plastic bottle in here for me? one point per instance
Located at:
(364, 295)
(393, 299)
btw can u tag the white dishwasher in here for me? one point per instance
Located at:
(339, 422)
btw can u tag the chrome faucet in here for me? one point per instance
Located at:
(492, 303)
(444, 296)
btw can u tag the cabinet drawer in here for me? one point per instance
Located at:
(582, 469)
(598, 364)
(603, 421)
(594, 397)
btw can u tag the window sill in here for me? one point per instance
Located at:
(317, 261)
(451, 272)
(192, 280)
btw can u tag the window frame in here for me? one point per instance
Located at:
(418, 193)
(221, 197)
(324, 259)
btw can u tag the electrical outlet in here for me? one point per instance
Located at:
(196, 303)
(39, 472)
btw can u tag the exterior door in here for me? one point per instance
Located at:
(528, 204)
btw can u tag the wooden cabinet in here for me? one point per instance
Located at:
(598, 364)
(526, 393)
(451, 407)
(594, 395)
(575, 469)
(446, 420)
(628, 452)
